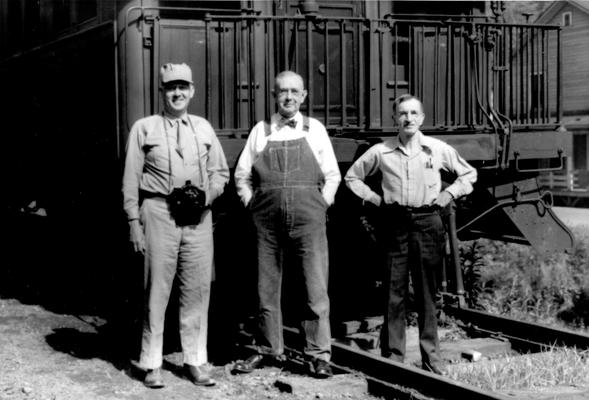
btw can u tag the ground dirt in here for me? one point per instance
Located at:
(50, 356)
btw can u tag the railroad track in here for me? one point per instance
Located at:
(395, 380)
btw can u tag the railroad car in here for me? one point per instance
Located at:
(75, 75)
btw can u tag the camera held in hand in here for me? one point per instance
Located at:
(187, 204)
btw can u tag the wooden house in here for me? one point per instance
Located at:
(573, 16)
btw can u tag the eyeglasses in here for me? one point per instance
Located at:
(175, 86)
(285, 92)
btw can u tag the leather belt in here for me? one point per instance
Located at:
(396, 207)
(144, 194)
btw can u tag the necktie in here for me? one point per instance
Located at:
(178, 139)
(288, 122)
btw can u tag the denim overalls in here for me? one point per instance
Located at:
(289, 211)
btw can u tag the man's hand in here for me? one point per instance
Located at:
(444, 198)
(136, 236)
(373, 202)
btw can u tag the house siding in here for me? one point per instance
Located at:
(575, 66)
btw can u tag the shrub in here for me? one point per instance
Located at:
(520, 282)
(471, 261)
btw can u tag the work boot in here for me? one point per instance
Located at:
(258, 361)
(153, 378)
(322, 369)
(436, 368)
(197, 376)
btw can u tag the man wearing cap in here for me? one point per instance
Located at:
(166, 154)
(412, 231)
(287, 176)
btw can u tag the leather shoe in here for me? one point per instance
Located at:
(435, 368)
(247, 366)
(198, 376)
(322, 369)
(153, 379)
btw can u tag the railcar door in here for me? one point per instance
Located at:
(228, 75)
(325, 49)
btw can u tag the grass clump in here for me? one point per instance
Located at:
(555, 366)
(519, 282)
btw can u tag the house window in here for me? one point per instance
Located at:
(580, 148)
(567, 18)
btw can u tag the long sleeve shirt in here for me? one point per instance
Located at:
(410, 178)
(318, 142)
(165, 152)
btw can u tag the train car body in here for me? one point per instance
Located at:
(76, 74)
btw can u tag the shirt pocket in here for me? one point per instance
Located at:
(156, 152)
(430, 177)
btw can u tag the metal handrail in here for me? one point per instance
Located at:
(518, 169)
(344, 109)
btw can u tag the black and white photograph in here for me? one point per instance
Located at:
(294, 200)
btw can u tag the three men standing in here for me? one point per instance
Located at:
(168, 154)
(287, 176)
(412, 233)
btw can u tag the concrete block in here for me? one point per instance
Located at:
(472, 355)
(346, 328)
(366, 341)
(340, 386)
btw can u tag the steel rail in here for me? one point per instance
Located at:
(393, 379)
(525, 332)
(397, 380)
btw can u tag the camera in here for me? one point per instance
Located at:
(187, 204)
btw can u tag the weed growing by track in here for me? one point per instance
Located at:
(555, 366)
(519, 282)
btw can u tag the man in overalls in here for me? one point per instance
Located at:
(287, 176)
(164, 152)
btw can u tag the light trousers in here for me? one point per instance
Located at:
(185, 253)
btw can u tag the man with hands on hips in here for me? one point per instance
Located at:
(412, 232)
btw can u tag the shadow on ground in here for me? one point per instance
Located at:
(69, 269)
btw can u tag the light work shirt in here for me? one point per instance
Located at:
(410, 177)
(318, 142)
(157, 163)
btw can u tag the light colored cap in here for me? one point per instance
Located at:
(175, 72)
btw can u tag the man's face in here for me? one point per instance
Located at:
(290, 93)
(410, 117)
(177, 95)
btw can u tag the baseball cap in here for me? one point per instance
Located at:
(175, 72)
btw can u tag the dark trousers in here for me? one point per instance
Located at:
(414, 244)
(292, 218)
